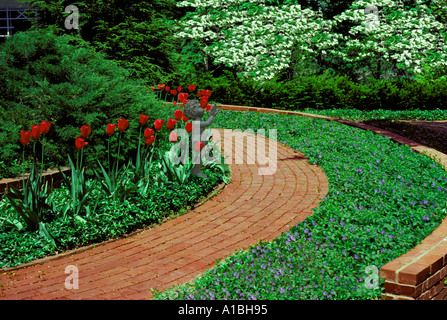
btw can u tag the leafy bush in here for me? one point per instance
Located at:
(62, 80)
(326, 91)
(137, 35)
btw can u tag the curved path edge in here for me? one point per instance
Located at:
(252, 207)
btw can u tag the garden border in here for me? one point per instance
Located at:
(419, 274)
(52, 176)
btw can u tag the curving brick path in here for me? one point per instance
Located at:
(252, 207)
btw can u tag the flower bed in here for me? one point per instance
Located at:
(383, 200)
(122, 195)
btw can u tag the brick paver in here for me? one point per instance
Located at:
(252, 207)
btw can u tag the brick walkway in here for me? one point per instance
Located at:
(252, 207)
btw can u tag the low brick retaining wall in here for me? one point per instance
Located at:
(54, 178)
(420, 274)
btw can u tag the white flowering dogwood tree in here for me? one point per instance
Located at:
(260, 38)
(390, 39)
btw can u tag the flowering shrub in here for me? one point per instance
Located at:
(261, 39)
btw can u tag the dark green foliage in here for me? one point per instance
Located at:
(62, 80)
(136, 34)
(327, 91)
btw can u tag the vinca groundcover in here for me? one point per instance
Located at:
(383, 200)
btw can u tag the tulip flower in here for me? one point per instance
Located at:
(25, 137)
(208, 108)
(167, 88)
(206, 93)
(158, 124)
(173, 92)
(160, 86)
(80, 143)
(111, 129)
(122, 124)
(143, 119)
(150, 140)
(183, 96)
(199, 146)
(192, 87)
(179, 88)
(35, 132)
(203, 102)
(85, 131)
(185, 118)
(173, 137)
(174, 103)
(178, 114)
(171, 124)
(199, 94)
(148, 133)
(188, 127)
(45, 127)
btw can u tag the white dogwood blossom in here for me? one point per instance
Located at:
(261, 40)
(405, 38)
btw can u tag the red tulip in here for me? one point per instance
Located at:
(208, 108)
(204, 102)
(167, 89)
(45, 127)
(35, 132)
(174, 103)
(111, 129)
(183, 96)
(152, 88)
(148, 133)
(158, 124)
(174, 92)
(25, 137)
(85, 131)
(173, 137)
(179, 88)
(192, 87)
(199, 94)
(199, 146)
(171, 124)
(161, 86)
(122, 124)
(143, 119)
(188, 127)
(80, 143)
(185, 118)
(178, 114)
(150, 140)
(206, 93)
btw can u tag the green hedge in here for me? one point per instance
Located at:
(63, 80)
(330, 92)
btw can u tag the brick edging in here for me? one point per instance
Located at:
(420, 273)
(53, 177)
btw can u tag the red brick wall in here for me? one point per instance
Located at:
(54, 178)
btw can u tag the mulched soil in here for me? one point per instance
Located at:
(429, 133)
